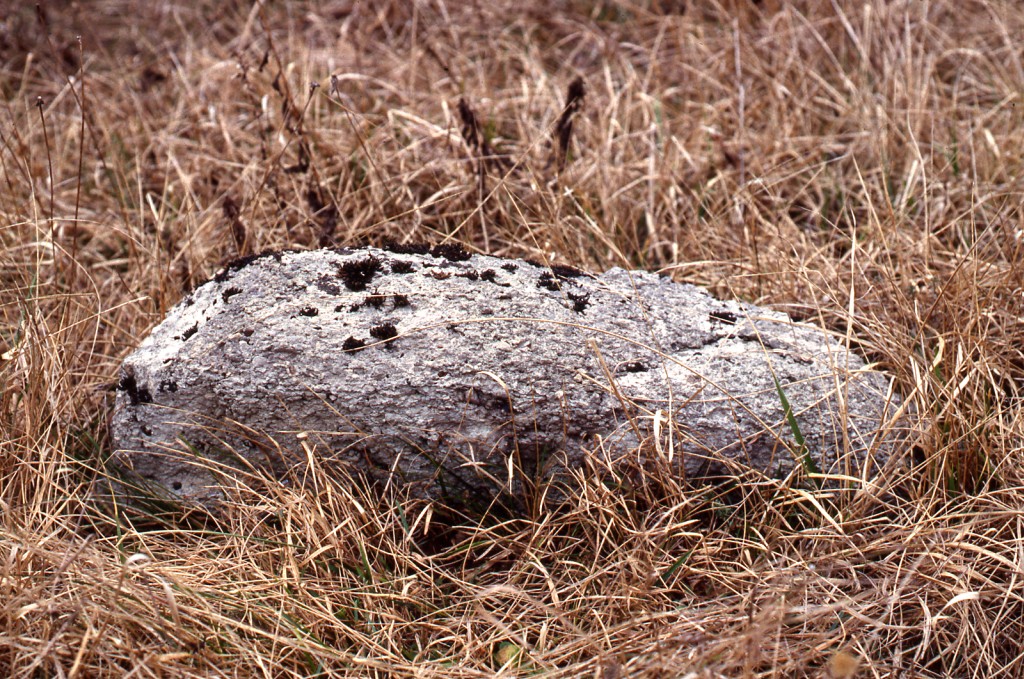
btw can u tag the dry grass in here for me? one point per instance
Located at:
(856, 164)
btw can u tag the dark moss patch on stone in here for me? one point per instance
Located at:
(547, 280)
(453, 252)
(401, 266)
(230, 292)
(167, 385)
(189, 333)
(509, 266)
(471, 274)
(400, 301)
(242, 262)
(353, 344)
(375, 300)
(559, 271)
(580, 301)
(309, 311)
(136, 394)
(407, 248)
(327, 285)
(566, 272)
(384, 331)
(357, 274)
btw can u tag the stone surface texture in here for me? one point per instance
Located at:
(465, 377)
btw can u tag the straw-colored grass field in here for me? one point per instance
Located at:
(857, 164)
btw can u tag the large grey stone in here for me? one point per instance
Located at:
(468, 376)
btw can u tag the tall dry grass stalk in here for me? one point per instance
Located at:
(857, 164)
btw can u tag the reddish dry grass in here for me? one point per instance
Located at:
(856, 164)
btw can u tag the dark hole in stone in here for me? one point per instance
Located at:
(248, 332)
(176, 485)
(357, 274)
(168, 385)
(490, 401)
(353, 344)
(309, 311)
(726, 317)
(634, 367)
(230, 292)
